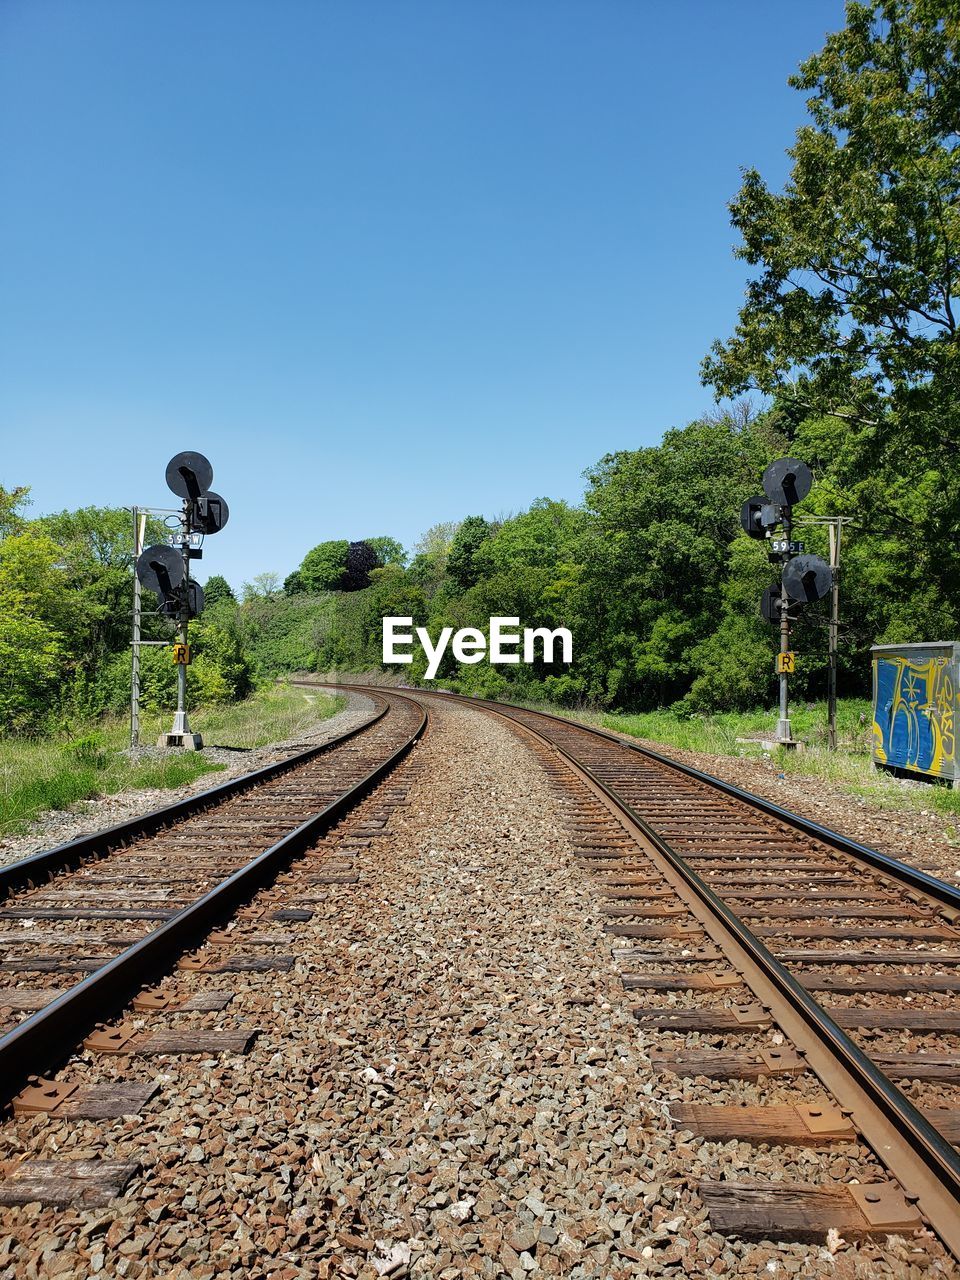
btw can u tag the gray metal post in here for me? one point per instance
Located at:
(835, 529)
(180, 735)
(784, 734)
(139, 528)
(183, 637)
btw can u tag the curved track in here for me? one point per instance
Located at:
(840, 947)
(732, 918)
(124, 905)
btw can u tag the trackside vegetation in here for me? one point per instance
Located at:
(847, 343)
(87, 757)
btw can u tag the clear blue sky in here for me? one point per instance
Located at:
(387, 262)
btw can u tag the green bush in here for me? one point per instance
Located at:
(89, 750)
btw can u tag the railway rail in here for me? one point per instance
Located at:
(115, 911)
(759, 947)
(771, 921)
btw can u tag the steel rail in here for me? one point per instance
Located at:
(28, 872)
(925, 1164)
(44, 1040)
(945, 895)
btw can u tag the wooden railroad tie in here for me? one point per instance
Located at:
(749, 1017)
(125, 1038)
(796, 1211)
(89, 1184)
(807, 1124)
(82, 1102)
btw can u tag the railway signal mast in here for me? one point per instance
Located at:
(804, 578)
(165, 570)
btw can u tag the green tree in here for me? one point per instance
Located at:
(388, 550)
(95, 562)
(215, 589)
(95, 537)
(323, 566)
(851, 316)
(461, 559)
(39, 617)
(217, 636)
(853, 307)
(32, 666)
(265, 586)
(34, 579)
(12, 501)
(544, 537)
(429, 564)
(655, 555)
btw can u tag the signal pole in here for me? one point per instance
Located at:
(166, 571)
(804, 578)
(784, 731)
(180, 734)
(139, 530)
(140, 515)
(835, 532)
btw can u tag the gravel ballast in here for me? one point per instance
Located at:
(447, 1082)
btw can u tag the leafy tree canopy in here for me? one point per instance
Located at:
(265, 586)
(11, 514)
(215, 589)
(340, 565)
(387, 550)
(853, 308)
(97, 536)
(437, 539)
(429, 564)
(542, 538)
(361, 561)
(467, 541)
(323, 566)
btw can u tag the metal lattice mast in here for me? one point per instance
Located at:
(139, 528)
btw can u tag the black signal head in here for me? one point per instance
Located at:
(211, 513)
(771, 604)
(787, 481)
(750, 517)
(160, 569)
(189, 475)
(757, 516)
(807, 578)
(170, 604)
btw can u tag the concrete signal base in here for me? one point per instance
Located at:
(186, 741)
(180, 735)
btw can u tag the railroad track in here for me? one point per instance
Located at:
(89, 927)
(759, 948)
(801, 957)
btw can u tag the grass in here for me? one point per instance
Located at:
(273, 714)
(722, 732)
(90, 760)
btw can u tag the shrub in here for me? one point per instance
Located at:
(89, 750)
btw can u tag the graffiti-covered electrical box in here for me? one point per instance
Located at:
(915, 708)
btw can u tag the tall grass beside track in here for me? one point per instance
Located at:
(90, 758)
(724, 732)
